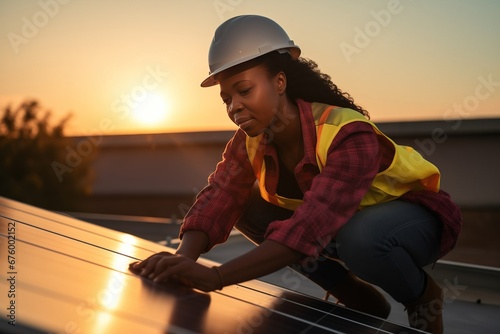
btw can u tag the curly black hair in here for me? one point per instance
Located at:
(305, 81)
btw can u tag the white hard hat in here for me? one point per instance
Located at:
(243, 38)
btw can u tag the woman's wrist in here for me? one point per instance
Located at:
(264, 259)
(219, 279)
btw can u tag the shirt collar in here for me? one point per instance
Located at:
(308, 131)
(308, 134)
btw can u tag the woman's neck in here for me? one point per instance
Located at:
(287, 134)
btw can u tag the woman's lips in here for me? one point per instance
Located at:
(243, 122)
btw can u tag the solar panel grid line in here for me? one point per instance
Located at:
(63, 236)
(49, 250)
(332, 316)
(310, 301)
(89, 228)
(86, 236)
(287, 315)
(54, 293)
(75, 301)
(74, 274)
(66, 255)
(66, 319)
(62, 296)
(77, 240)
(70, 222)
(69, 254)
(94, 245)
(82, 258)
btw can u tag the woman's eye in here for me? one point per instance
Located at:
(245, 91)
(226, 101)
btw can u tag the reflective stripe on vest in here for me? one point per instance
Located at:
(407, 171)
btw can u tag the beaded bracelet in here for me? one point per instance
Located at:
(221, 281)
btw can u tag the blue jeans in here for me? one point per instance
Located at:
(386, 245)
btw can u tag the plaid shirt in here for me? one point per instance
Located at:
(331, 197)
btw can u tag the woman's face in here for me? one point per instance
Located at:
(252, 97)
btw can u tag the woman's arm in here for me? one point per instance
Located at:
(221, 202)
(266, 258)
(193, 244)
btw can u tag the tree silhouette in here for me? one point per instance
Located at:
(33, 160)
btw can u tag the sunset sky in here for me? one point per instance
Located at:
(136, 66)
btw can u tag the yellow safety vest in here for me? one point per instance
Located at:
(408, 170)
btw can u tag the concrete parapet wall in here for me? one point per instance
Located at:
(177, 164)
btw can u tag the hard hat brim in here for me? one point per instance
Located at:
(212, 81)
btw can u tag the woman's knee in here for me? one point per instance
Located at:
(373, 233)
(355, 243)
(258, 215)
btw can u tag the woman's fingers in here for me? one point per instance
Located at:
(150, 267)
(158, 264)
(133, 266)
(147, 266)
(162, 266)
(171, 266)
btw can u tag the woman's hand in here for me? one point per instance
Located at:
(163, 266)
(264, 259)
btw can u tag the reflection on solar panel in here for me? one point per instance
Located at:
(62, 275)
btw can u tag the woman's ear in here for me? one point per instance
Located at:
(281, 82)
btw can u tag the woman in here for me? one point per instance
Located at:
(331, 191)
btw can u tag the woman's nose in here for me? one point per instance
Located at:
(234, 107)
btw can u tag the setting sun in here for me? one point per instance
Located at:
(153, 109)
(372, 50)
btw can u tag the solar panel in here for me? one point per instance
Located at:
(62, 275)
